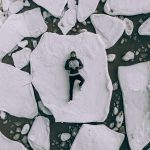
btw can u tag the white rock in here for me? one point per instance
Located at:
(16, 6)
(134, 80)
(54, 7)
(21, 58)
(127, 7)
(23, 44)
(128, 26)
(97, 137)
(20, 101)
(144, 29)
(86, 8)
(65, 136)
(68, 21)
(43, 108)
(111, 57)
(39, 135)
(7, 144)
(128, 56)
(26, 3)
(19, 26)
(25, 129)
(3, 115)
(50, 78)
(109, 28)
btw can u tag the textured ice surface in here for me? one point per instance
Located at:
(51, 79)
(109, 28)
(16, 94)
(97, 137)
(134, 80)
(39, 135)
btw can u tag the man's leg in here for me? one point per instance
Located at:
(81, 79)
(71, 80)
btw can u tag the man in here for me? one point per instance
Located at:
(73, 65)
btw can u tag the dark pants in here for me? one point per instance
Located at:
(72, 80)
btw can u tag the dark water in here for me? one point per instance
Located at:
(131, 43)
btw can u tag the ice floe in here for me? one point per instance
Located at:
(134, 80)
(21, 58)
(128, 56)
(109, 28)
(25, 129)
(17, 97)
(18, 26)
(7, 144)
(97, 137)
(128, 26)
(127, 7)
(51, 80)
(39, 135)
(111, 57)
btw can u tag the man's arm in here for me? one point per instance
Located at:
(67, 65)
(80, 64)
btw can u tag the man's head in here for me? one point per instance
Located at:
(73, 54)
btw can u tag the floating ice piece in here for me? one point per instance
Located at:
(145, 28)
(111, 57)
(65, 136)
(25, 129)
(18, 26)
(97, 137)
(43, 108)
(16, 6)
(127, 7)
(109, 28)
(128, 26)
(128, 56)
(21, 58)
(54, 7)
(20, 101)
(86, 8)
(23, 44)
(51, 80)
(46, 14)
(134, 80)
(3, 115)
(7, 144)
(68, 20)
(39, 134)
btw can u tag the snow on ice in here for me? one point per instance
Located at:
(17, 97)
(39, 135)
(109, 28)
(18, 26)
(97, 137)
(134, 80)
(51, 80)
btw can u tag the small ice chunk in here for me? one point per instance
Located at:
(65, 136)
(16, 6)
(3, 115)
(97, 137)
(43, 108)
(39, 135)
(119, 119)
(34, 43)
(115, 111)
(46, 14)
(111, 57)
(7, 144)
(109, 28)
(26, 3)
(23, 44)
(86, 8)
(128, 26)
(68, 21)
(21, 58)
(128, 56)
(25, 129)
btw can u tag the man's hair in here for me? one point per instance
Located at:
(73, 52)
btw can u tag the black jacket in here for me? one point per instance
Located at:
(75, 70)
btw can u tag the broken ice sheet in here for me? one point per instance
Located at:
(51, 79)
(16, 94)
(97, 137)
(39, 135)
(109, 28)
(134, 80)
(7, 144)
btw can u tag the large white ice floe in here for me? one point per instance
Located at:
(19, 26)
(145, 28)
(7, 144)
(68, 20)
(86, 8)
(16, 94)
(39, 135)
(134, 80)
(127, 7)
(54, 7)
(51, 80)
(109, 28)
(21, 58)
(97, 137)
